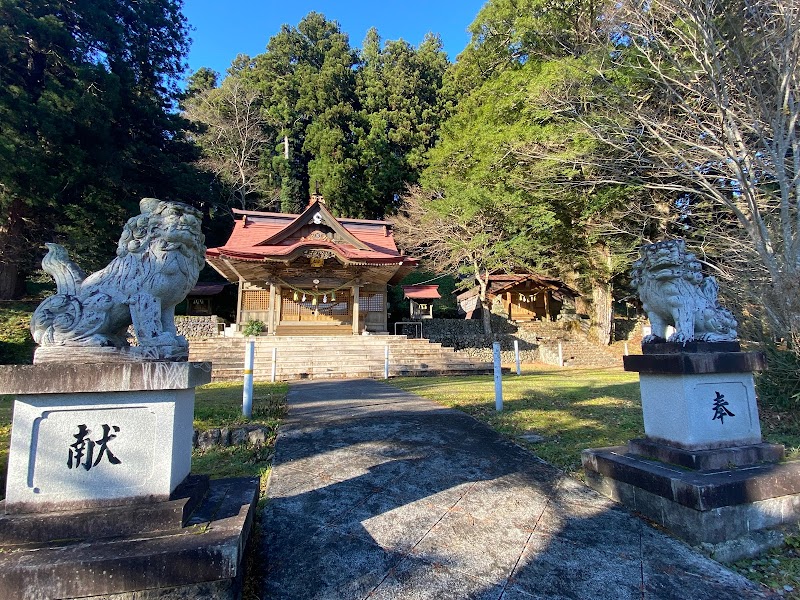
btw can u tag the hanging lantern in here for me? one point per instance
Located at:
(333, 296)
(296, 297)
(325, 299)
(314, 301)
(304, 297)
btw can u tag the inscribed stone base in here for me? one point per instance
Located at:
(725, 509)
(99, 435)
(700, 411)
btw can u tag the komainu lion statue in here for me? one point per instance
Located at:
(674, 292)
(159, 258)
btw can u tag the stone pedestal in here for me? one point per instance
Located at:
(701, 471)
(111, 434)
(100, 463)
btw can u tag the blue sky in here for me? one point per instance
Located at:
(225, 28)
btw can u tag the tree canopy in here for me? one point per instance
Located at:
(352, 124)
(87, 126)
(514, 148)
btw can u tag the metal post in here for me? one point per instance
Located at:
(386, 362)
(498, 378)
(516, 355)
(274, 364)
(247, 392)
(560, 355)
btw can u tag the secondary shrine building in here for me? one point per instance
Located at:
(311, 274)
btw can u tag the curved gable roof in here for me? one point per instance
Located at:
(315, 213)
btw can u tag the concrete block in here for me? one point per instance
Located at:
(728, 509)
(63, 378)
(698, 412)
(201, 560)
(87, 449)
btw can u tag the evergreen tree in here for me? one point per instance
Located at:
(86, 122)
(201, 81)
(399, 90)
(515, 140)
(307, 82)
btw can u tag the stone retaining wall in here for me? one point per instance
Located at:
(538, 341)
(254, 435)
(192, 328)
(198, 327)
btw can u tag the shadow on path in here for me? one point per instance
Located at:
(377, 493)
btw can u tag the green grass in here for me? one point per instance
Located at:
(16, 343)
(572, 409)
(6, 403)
(778, 569)
(220, 405)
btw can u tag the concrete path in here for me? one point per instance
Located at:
(376, 493)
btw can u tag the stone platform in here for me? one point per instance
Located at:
(91, 435)
(187, 547)
(701, 471)
(728, 511)
(100, 502)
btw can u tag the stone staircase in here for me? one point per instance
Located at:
(334, 356)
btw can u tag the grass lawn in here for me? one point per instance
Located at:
(574, 409)
(16, 343)
(220, 405)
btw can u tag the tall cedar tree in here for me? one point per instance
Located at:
(86, 123)
(354, 125)
(306, 81)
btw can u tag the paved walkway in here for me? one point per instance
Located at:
(376, 493)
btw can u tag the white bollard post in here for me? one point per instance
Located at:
(498, 378)
(386, 362)
(516, 355)
(560, 355)
(626, 348)
(274, 364)
(247, 392)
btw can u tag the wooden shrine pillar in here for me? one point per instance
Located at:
(547, 305)
(239, 295)
(272, 324)
(356, 289)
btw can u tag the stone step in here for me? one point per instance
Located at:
(365, 340)
(238, 353)
(300, 357)
(235, 375)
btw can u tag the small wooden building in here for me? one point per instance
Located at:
(420, 299)
(199, 300)
(520, 297)
(311, 274)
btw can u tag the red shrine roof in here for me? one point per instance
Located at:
(263, 236)
(421, 292)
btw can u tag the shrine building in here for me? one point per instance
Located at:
(311, 274)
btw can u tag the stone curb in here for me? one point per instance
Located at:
(254, 435)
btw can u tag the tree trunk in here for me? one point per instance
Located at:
(486, 313)
(12, 253)
(602, 298)
(12, 282)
